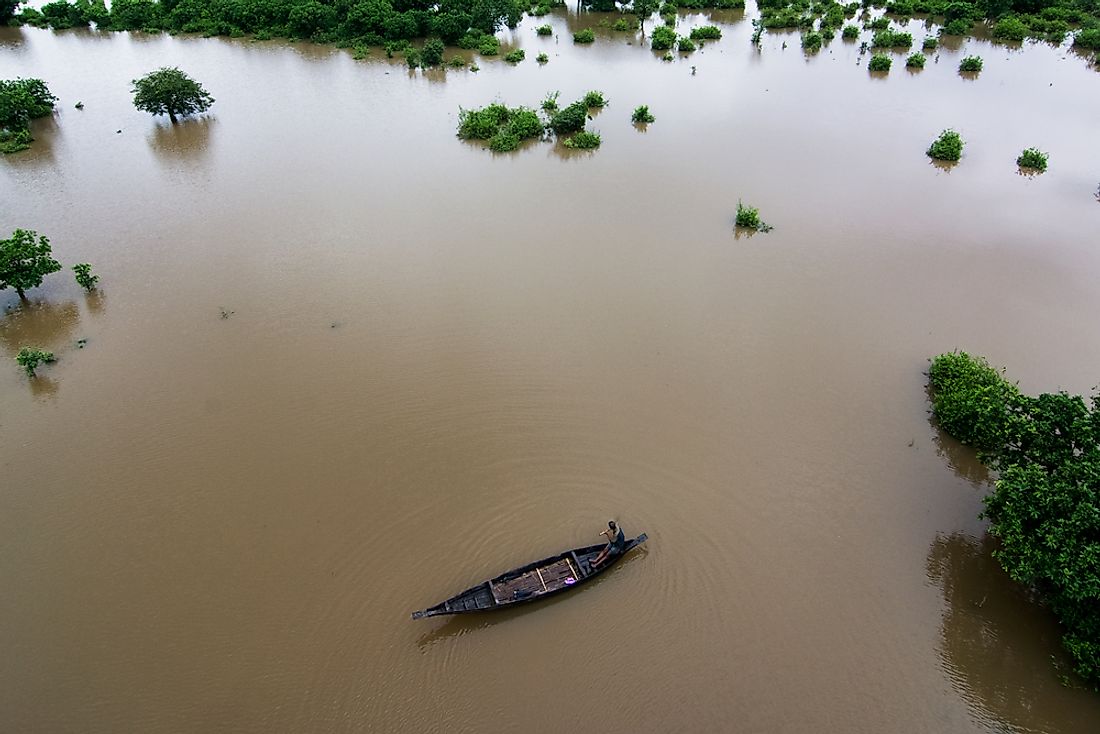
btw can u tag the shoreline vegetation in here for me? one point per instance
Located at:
(394, 25)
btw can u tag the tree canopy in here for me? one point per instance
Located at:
(168, 91)
(1045, 506)
(7, 9)
(25, 259)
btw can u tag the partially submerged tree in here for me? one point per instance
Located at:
(25, 259)
(643, 9)
(29, 358)
(84, 276)
(168, 91)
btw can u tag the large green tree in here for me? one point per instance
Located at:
(168, 91)
(1045, 506)
(25, 259)
(7, 9)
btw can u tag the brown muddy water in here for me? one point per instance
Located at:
(437, 363)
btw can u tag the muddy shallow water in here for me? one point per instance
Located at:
(343, 365)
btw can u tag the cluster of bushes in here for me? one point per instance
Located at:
(888, 38)
(22, 100)
(1045, 505)
(350, 22)
(662, 38)
(505, 128)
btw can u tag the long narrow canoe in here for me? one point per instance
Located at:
(537, 580)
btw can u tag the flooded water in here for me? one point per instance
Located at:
(343, 365)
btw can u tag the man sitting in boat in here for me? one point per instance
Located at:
(616, 541)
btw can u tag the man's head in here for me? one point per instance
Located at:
(611, 524)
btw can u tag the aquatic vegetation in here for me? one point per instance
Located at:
(930, 43)
(14, 142)
(432, 53)
(570, 119)
(504, 127)
(625, 24)
(880, 62)
(457, 62)
(488, 46)
(594, 99)
(662, 38)
(811, 42)
(583, 140)
(412, 58)
(748, 217)
(915, 61)
(29, 358)
(878, 24)
(947, 147)
(524, 123)
(515, 56)
(1044, 504)
(169, 91)
(957, 27)
(1010, 28)
(542, 58)
(685, 45)
(84, 277)
(668, 56)
(25, 259)
(1088, 38)
(584, 36)
(22, 100)
(504, 141)
(850, 32)
(550, 101)
(706, 33)
(1032, 158)
(482, 124)
(757, 32)
(891, 39)
(971, 63)
(642, 114)
(545, 30)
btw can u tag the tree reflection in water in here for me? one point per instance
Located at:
(1001, 650)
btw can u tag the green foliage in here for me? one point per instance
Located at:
(947, 147)
(22, 100)
(524, 123)
(515, 56)
(505, 128)
(625, 25)
(14, 142)
(662, 38)
(642, 114)
(550, 102)
(971, 63)
(1032, 158)
(488, 46)
(749, 218)
(594, 99)
(412, 58)
(168, 91)
(891, 39)
(432, 53)
(7, 10)
(685, 45)
(915, 61)
(30, 357)
(503, 142)
(879, 24)
(1010, 28)
(706, 33)
(570, 119)
(481, 124)
(850, 32)
(584, 36)
(811, 41)
(1088, 38)
(957, 27)
(583, 140)
(1045, 506)
(84, 277)
(25, 259)
(542, 58)
(545, 30)
(880, 62)
(930, 43)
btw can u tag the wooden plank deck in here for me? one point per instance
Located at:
(536, 582)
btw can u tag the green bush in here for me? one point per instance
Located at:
(515, 56)
(878, 24)
(550, 102)
(706, 33)
(524, 123)
(15, 141)
(1010, 28)
(850, 32)
(503, 142)
(594, 99)
(542, 58)
(642, 114)
(930, 43)
(957, 27)
(947, 147)
(1088, 38)
(584, 36)
(25, 259)
(583, 140)
(84, 277)
(412, 57)
(482, 124)
(915, 61)
(624, 24)
(662, 38)
(488, 46)
(22, 100)
(880, 62)
(747, 216)
(971, 63)
(891, 39)
(570, 119)
(432, 53)
(29, 358)
(545, 30)
(1045, 506)
(685, 45)
(811, 41)
(1032, 158)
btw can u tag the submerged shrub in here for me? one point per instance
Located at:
(570, 119)
(524, 123)
(892, 39)
(685, 45)
(642, 114)
(930, 43)
(515, 56)
(1032, 158)
(30, 357)
(503, 142)
(971, 63)
(957, 27)
(749, 218)
(22, 100)
(481, 124)
(584, 36)
(1088, 38)
(915, 61)
(583, 140)
(542, 58)
(947, 147)
(706, 33)
(880, 62)
(850, 32)
(84, 277)
(488, 46)
(594, 99)
(544, 30)
(662, 38)
(811, 41)
(432, 53)
(970, 400)
(1010, 28)
(623, 24)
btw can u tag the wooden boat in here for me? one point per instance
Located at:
(536, 580)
